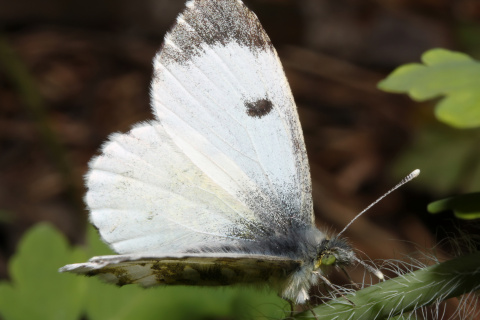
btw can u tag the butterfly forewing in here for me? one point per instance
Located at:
(220, 92)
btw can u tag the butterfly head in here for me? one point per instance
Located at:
(334, 252)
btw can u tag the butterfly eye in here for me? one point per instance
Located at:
(327, 259)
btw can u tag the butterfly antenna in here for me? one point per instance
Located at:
(372, 270)
(411, 176)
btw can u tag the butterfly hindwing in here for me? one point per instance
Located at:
(146, 196)
(216, 270)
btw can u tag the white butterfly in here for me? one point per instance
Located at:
(216, 190)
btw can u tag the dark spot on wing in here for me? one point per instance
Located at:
(259, 108)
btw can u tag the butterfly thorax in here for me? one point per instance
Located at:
(328, 253)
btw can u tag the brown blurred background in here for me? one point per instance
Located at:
(90, 62)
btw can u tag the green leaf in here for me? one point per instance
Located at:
(466, 206)
(448, 74)
(37, 290)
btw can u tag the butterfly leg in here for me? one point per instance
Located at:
(292, 306)
(310, 308)
(329, 284)
(291, 303)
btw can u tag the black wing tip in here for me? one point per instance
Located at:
(212, 23)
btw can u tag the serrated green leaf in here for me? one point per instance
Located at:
(448, 74)
(37, 290)
(466, 206)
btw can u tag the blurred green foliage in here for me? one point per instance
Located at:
(449, 159)
(38, 291)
